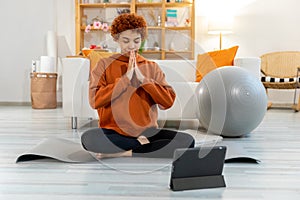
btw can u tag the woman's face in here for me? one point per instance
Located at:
(129, 40)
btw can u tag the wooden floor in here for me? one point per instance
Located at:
(276, 142)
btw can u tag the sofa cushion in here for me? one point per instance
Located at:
(178, 70)
(211, 60)
(185, 105)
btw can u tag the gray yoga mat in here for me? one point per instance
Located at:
(71, 151)
(59, 149)
(237, 153)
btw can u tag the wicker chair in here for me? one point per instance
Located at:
(281, 71)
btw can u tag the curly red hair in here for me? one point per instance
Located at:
(128, 21)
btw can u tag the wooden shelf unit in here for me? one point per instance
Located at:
(164, 34)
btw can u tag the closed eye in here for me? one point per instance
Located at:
(137, 40)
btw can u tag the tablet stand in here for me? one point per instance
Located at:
(201, 182)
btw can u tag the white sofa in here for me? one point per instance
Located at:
(179, 73)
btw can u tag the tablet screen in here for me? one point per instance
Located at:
(199, 161)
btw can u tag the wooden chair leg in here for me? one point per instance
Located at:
(296, 107)
(269, 103)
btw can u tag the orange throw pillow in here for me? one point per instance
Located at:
(211, 60)
(95, 56)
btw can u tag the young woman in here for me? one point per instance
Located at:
(126, 90)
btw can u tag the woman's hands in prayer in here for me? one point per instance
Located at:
(131, 63)
(133, 68)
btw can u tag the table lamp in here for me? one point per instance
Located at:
(220, 25)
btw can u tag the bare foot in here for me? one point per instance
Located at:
(114, 155)
(143, 140)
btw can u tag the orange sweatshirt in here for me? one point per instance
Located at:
(128, 106)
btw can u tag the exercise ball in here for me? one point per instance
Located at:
(232, 102)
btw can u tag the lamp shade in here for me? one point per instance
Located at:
(220, 24)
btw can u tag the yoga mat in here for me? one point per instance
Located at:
(66, 150)
(237, 153)
(203, 138)
(59, 149)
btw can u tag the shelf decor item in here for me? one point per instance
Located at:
(123, 10)
(187, 22)
(97, 24)
(172, 17)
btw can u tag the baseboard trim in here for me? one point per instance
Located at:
(10, 103)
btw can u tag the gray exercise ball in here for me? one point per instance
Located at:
(232, 102)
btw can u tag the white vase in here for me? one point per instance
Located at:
(172, 46)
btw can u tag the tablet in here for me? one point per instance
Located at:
(199, 167)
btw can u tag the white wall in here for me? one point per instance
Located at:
(23, 38)
(260, 26)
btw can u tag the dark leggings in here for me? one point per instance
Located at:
(162, 142)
